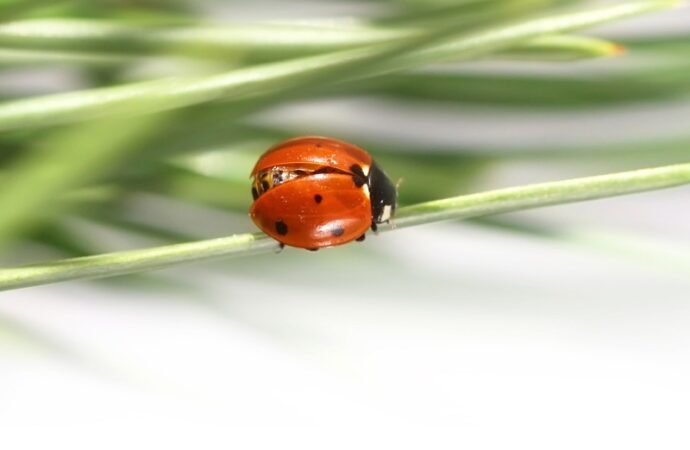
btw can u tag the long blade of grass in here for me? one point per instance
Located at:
(11, 57)
(65, 160)
(255, 40)
(662, 81)
(268, 79)
(463, 207)
(547, 48)
(563, 48)
(17, 8)
(260, 41)
(495, 40)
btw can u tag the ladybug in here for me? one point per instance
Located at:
(313, 192)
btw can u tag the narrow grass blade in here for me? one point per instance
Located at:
(463, 207)
(17, 8)
(495, 40)
(667, 81)
(548, 48)
(11, 57)
(545, 194)
(267, 80)
(229, 41)
(65, 160)
(563, 48)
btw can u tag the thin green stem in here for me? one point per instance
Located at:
(233, 43)
(462, 207)
(544, 194)
(268, 80)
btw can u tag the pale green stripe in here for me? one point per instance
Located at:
(466, 206)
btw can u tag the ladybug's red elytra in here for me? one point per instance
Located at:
(313, 192)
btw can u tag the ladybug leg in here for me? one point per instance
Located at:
(374, 227)
(315, 249)
(279, 248)
(361, 238)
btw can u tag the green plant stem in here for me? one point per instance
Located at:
(60, 163)
(247, 43)
(462, 207)
(269, 80)
(563, 48)
(546, 48)
(11, 57)
(543, 194)
(228, 41)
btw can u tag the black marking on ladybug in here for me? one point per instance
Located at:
(281, 227)
(337, 231)
(300, 172)
(358, 175)
(255, 193)
(318, 198)
(383, 196)
(361, 238)
(264, 185)
(357, 170)
(318, 144)
(324, 170)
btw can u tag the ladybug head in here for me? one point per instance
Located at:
(383, 195)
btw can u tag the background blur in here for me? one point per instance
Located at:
(563, 327)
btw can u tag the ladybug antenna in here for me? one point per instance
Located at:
(399, 183)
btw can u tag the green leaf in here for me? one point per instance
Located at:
(67, 159)
(255, 40)
(564, 48)
(262, 41)
(548, 48)
(658, 81)
(463, 207)
(18, 8)
(270, 79)
(11, 57)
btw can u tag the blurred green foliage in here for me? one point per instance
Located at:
(166, 93)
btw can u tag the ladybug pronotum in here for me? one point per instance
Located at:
(313, 192)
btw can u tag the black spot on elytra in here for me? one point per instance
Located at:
(359, 182)
(255, 193)
(318, 198)
(264, 185)
(358, 175)
(361, 238)
(337, 231)
(357, 170)
(281, 228)
(318, 145)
